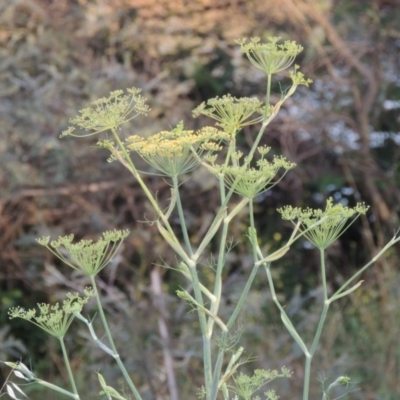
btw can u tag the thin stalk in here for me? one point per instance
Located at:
(253, 273)
(309, 358)
(206, 329)
(267, 96)
(93, 334)
(266, 121)
(218, 294)
(309, 354)
(181, 215)
(317, 336)
(307, 371)
(111, 341)
(215, 307)
(221, 255)
(358, 273)
(242, 298)
(320, 326)
(68, 366)
(324, 312)
(218, 368)
(221, 188)
(225, 199)
(268, 118)
(231, 321)
(253, 231)
(323, 273)
(220, 265)
(272, 288)
(231, 149)
(136, 174)
(57, 388)
(253, 149)
(207, 359)
(221, 176)
(250, 280)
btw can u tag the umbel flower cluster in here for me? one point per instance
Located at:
(176, 152)
(87, 256)
(250, 181)
(322, 228)
(54, 319)
(271, 57)
(108, 113)
(231, 114)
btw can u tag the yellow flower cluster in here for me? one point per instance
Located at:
(177, 151)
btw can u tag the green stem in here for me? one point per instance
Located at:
(358, 273)
(206, 329)
(242, 297)
(309, 354)
(309, 358)
(111, 341)
(267, 119)
(253, 231)
(221, 188)
(57, 389)
(218, 294)
(220, 265)
(181, 215)
(215, 307)
(221, 176)
(68, 366)
(218, 367)
(288, 324)
(267, 96)
(232, 319)
(207, 359)
(253, 273)
(323, 273)
(320, 326)
(136, 174)
(307, 371)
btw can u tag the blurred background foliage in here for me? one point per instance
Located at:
(343, 132)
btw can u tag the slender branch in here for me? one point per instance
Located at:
(68, 366)
(111, 341)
